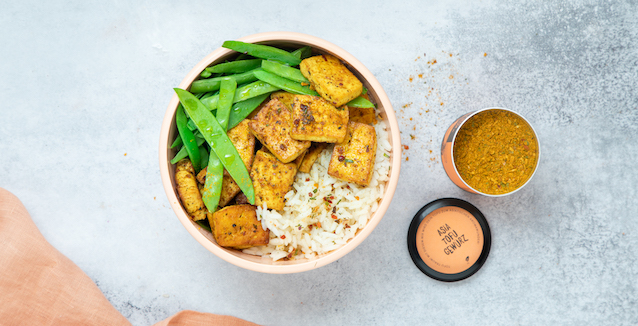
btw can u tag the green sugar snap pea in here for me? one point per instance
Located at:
(243, 93)
(219, 142)
(211, 85)
(285, 84)
(284, 71)
(188, 138)
(226, 96)
(235, 67)
(263, 52)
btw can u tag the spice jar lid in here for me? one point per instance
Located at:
(449, 239)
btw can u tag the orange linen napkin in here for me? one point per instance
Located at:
(41, 286)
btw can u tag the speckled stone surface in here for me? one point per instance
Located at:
(84, 88)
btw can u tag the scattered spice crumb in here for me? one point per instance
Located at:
(420, 75)
(441, 103)
(410, 119)
(407, 105)
(485, 54)
(412, 136)
(407, 158)
(451, 77)
(411, 78)
(124, 154)
(406, 147)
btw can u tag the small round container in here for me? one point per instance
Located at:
(447, 152)
(449, 239)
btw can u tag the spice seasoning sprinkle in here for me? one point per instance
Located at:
(495, 152)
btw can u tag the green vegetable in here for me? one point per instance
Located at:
(187, 137)
(360, 102)
(205, 74)
(210, 85)
(242, 109)
(182, 153)
(213, 185)
(283, 71)
(365, 91)
(203, 154)
(234, 67)
(178, 142)
(243, 93)
(226, 96)
(203, 225)
(263, 52)
(219, 142)
(302, 53)
(285, 84)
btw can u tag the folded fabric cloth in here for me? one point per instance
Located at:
(41, 286)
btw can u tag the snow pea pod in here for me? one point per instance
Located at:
(243, 93)
(182, 153)
(210, 85)
(242, 109)
(360, 102)
(187, 137)
(263, 52)
(213, 184)
(235, 67)
(285, 84)
(226, 96)
(302, 53)
(284, 71)
(219, 142)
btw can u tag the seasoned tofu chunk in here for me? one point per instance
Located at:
(363, 115)
(230, 189)
(353, 159)
(272, 127)
(311, 156)
(244, 142)
(299, 158)
(331, 79)
(272, 179)
(237, 227)
(284, 97)
(314, 119)
(188, 190)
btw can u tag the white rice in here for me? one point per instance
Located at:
(294, 232)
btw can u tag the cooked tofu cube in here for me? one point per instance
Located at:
(230, 189)
(285, 98)
(237, 227)
(314, 119)
(299, 158)
(331, 79)
(311, 156)
(272, 179)
(272, 127)
(363, 115)
(244, 142)
(353, 159)
(188, 190)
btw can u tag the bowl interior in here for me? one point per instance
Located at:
(265, 264)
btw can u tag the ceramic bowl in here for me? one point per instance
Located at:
(257, 263)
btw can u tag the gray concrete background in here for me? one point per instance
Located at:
(85, 85)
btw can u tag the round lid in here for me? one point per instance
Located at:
(449, 239)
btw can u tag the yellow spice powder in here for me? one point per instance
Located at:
(495, 152)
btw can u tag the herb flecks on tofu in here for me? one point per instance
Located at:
(314, 119)
(237, 227)
(272, 179)
(353, 159)
(272, 127)
(331, 79)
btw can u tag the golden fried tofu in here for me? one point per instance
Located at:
(353, 159)
(363, 115)
(237, 227)
(285, 98)
(272, 127)
(314, 119)
(272, 179)
(188, 190)
(230, 189)
(311, 156)
(331, 79)
(299, 158)
(244, 142)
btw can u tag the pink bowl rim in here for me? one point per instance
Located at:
(374, 220)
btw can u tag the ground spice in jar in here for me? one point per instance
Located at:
(495, 152)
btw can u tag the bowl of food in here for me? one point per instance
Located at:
(279, 152)
(493, 152)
